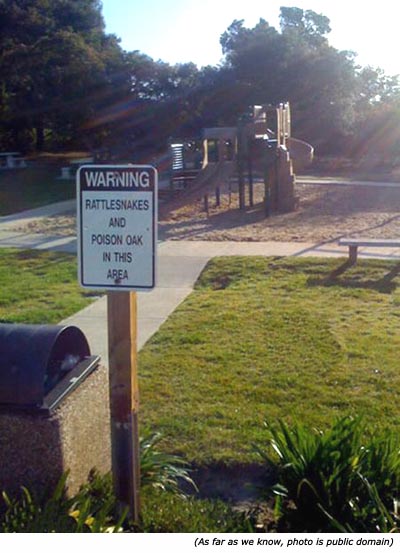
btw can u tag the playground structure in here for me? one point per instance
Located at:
(260, 147)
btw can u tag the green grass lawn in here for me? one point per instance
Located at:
(39, 287)
(265, 339)
(32, 187)
(258, 340)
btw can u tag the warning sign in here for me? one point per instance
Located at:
(117, 226)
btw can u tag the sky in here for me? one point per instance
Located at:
(178, 31)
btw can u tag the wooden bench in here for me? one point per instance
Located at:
(69, 172)
(10, 160)
(354, 243)
(20, 163)
(66, 173)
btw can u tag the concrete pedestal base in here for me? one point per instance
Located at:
(35, 450)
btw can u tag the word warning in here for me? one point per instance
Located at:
(117, 226)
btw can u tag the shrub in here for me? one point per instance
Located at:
(57, 513)
(162, 470)
(338, 479)
(94, 508)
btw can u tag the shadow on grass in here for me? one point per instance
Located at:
(357, 279)
(235, 483)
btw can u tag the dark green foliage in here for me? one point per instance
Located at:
(94, 508)
(162, 471)
(318, 80)
(307, 23)
(65, 82)
(338, 479)
(84, 512)
(368, 513)
(27, 514)
(57, 65)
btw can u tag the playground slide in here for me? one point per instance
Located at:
(301, 153)
(213, 175)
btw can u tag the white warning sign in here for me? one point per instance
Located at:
(117, 226)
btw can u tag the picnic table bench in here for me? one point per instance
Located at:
(69, 171)
(12, 160)
(354, 243)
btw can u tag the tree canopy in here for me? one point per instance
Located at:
(64, 81)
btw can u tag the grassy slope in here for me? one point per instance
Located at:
(38, 287)
(262, 339)
(32, 187)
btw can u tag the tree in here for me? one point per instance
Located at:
(376, 132)
(306, 24)
(375, 87)
(56, 64)
(296, 64)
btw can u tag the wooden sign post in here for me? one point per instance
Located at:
(124, 398)
(117, 237)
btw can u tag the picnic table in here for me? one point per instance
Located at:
(11, 160)
(354, 243)
(69, 172)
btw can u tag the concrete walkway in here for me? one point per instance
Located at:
(30, 215)
(11, 238)
(179, 265)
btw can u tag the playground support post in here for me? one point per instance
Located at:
(267, 190)
(241, 157)
(277, 181)
(241, 186)
(217, 196)
(206, 204)
(250, 178)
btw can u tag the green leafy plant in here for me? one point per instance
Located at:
(337, 478)
(162, 470)
(93, 508)
(58, 513)
(28, 514)
(381, 463)
(369, 514)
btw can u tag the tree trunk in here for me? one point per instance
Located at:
(39, 136)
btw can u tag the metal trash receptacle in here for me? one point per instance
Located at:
(34, 359)
(54, 408)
